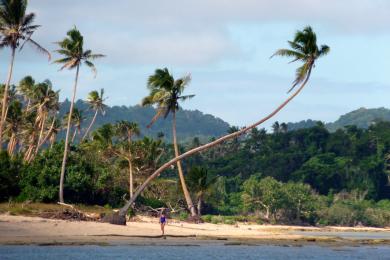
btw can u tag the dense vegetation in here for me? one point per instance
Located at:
(301, 176)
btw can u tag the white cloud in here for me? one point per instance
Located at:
(193, 32)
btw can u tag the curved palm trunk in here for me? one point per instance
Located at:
(4, 109)
(90, 126)
(126, 207)
(61, 191)
(186, 193)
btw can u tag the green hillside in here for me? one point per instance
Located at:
(190, 123)
(362, 118)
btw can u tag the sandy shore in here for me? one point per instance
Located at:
(146, 231)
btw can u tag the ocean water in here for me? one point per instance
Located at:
(193, 252)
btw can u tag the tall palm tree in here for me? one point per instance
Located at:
(165, 94)
(74, 55)
(125, 130)
(96, 103)
(16, 28)
(307, 52)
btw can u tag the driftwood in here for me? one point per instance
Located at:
(70, 213)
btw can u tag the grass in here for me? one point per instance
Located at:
(36, 209)
(230, 220)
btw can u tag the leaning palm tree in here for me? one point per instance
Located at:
(165, 94)
(306, 51)
(74, 55)
(96, 103)
(16, 29)
(125, 130)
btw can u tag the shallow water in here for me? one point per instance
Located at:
(345, 234)
(193, 252)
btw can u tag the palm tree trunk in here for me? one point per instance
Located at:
(46, 137)
(42, 126)
(130, 178)
(90, 125)
(187, 195)
(200, 200)
(74, 135)
(157, 173)
(61, 191)
(11, 144)
(4, 109)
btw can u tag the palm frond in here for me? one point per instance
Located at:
(39, 48)
(160, 112)
(91, 66)
(289, 53)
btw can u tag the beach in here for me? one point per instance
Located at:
(24, 230)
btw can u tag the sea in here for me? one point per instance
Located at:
(236, 252)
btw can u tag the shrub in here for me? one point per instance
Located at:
(217, 219)
(206, 218)
(183, 215)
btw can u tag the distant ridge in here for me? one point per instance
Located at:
(362, 118)
(190, 123)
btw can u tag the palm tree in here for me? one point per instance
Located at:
(308, 53)
(126, 130)
(26, 89)
(46, 103)
(95, 101)
(74, 55)
(15, 123)
(16, 28)
(166, 93)
(76, 121)
(103, 136)
(200, 183)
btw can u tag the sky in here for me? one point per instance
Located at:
(226, 46)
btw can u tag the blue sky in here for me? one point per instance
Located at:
(226, 46)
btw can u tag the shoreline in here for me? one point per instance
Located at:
(21, 230)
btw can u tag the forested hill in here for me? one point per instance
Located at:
(362, 118)
(190, 123)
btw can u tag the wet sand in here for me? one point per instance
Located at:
(21, 230)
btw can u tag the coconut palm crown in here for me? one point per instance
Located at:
(165, 93)
(16, 26)
(71, 47)
(304, 48)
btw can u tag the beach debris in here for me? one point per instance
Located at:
(70, 213)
